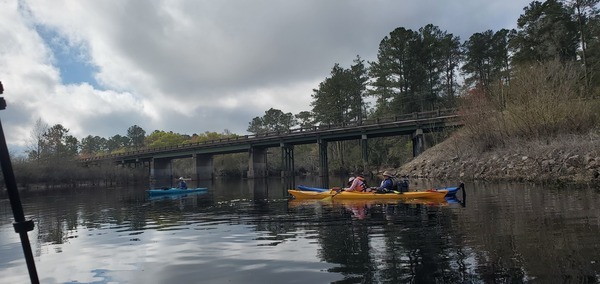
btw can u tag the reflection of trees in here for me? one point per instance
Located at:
(416, 246)
(57, 224)
(521, 234)
(59, 214)
(514, 235)
(524, 233)
(346, 241)
(396, 243)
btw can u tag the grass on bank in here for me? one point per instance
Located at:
(540, 103)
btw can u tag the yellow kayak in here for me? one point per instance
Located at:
(430, 194)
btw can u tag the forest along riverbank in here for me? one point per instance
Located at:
(568, 159)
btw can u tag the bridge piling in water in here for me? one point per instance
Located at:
(365, 151)
(257, 164)
(323, 163)
(203, 169)
(287, 160)
(161, 172)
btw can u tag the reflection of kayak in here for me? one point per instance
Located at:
(155, 192)
(432, 194)
(452, 199)
(428, 202)
(299, 202)
(296, 202)
(175, 196)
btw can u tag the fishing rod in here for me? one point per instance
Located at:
(21, 225)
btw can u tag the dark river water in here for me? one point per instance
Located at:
(248, 232)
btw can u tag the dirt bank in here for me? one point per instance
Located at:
(574, 158)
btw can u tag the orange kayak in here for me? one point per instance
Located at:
(430, 194)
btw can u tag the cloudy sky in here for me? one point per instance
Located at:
(190, 66)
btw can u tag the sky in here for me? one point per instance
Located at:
(191, 66)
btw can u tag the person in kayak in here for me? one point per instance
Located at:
(357, 183)
(387, 184)
(182, 183)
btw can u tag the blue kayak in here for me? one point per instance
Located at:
(308, 188)
(452, 190)
(154, 192)
(176, 196)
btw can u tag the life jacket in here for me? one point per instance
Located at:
(182, 185)
(364, 185)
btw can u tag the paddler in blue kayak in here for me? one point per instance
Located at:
(182, 183)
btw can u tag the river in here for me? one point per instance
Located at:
(246, 231)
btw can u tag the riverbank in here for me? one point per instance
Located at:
(567, 159)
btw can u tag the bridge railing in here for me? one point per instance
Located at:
(440, 113)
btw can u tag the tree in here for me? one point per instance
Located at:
(358, 88)
(305, 119)
(393, 71)
(116, 142)
(160, 138)
(71, 146)
(37, 140)
(136, 136)
(330, 101)
(57, 144)
(414, 69)
(545, 31)
(274, 120)
(256, 126)
(208, 136)
(486, 59)
(433, 65)
(451, 59)
(340, 98)
(92, 145)
(593, 53)
(586, 15)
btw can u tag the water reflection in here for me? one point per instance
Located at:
(247, 231)
(390, 241)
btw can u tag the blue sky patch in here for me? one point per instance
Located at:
(69, 59)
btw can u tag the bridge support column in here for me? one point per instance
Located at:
(365, 151)
(418, 142)
(287, 160)
(161, 173)
(323, 163)
(257, 164)
(204, 166)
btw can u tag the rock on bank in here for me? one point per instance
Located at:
(565, 159)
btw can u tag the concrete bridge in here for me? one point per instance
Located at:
(159, 159)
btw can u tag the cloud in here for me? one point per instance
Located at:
(99, 67)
